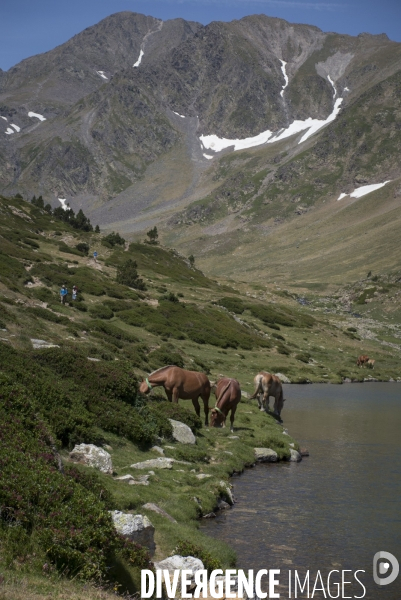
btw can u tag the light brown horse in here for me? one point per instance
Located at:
(179, 383)
(267, 385)
(228, 395)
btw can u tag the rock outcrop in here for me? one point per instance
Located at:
(92, 456)
(182, 433)
(265, 455)
(136, 528)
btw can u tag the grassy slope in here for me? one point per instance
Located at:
(275, 333)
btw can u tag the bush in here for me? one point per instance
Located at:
(234, 305)
(83, 247)
(76, 396)
(48, 315)
(127, 274)
(100, 311)
(165, 355)
(113, 239)
(69, 522)
(185, 548)
(170, 410)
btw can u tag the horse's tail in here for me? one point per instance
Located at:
(226, 387)
(258, 387)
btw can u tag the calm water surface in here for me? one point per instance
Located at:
(335, 509)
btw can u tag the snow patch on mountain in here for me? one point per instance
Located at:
(138, 62)
(5, 118)
(178, 114)
(9, 131)
(213, 142)
(365, 189)
(16, 127)
(283, 64)
(101, 73)
(37, 115)
(63, 202)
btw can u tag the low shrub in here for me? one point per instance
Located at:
(165, 355)
(186, 548)
(47, 315)
(234, 305)
(83, 247)
(177, 412)
(100, 311)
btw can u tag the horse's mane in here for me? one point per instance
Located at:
(161, 369)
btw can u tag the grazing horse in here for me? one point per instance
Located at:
(362, 360)
(179, 383)
(228, 395)
(370, 363)
(267, 385)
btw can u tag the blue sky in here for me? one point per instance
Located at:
(30, 27)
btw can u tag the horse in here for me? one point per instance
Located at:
(370, 363)
(362, 360)
(179, 383)
(228, 395)
(267, 385)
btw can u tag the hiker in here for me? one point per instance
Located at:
(74, 292)
(95, 256)
(63, 294)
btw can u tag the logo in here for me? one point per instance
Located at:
(385, 563)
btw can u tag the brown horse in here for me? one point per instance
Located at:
(179, 383)
(267, 385)
(228, 395)
(362, 360)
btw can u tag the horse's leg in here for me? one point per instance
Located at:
(205, 399)
(232, 415)
(266, 405)
(175, 395)
(196, 404)
(260, 401)
(169, 395)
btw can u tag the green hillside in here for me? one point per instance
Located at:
(139, 307)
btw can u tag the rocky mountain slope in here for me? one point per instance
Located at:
(136, 120)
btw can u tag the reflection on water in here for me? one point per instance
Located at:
(335, 509)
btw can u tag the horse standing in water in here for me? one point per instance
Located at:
(228, 395)
(179, 383)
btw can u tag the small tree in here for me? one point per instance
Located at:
(152, 235)
(97, 229)
(191, 260)
(113, 239)
(127, 274)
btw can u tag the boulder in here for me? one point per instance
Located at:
(265, 455)
(92, 456)
(136, 528)
(179, 563)
(295, 456)
(227, 489)
(283, 378)
(182, 433)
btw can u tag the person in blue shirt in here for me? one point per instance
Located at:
(63, 294)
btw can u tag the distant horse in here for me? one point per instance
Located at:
(362, 360)
(267, 385)
(179, 383)
(228, 395)
(370, 363)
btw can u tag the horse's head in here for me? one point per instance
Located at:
(145, 387)
(280, 405)
(216, 418)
